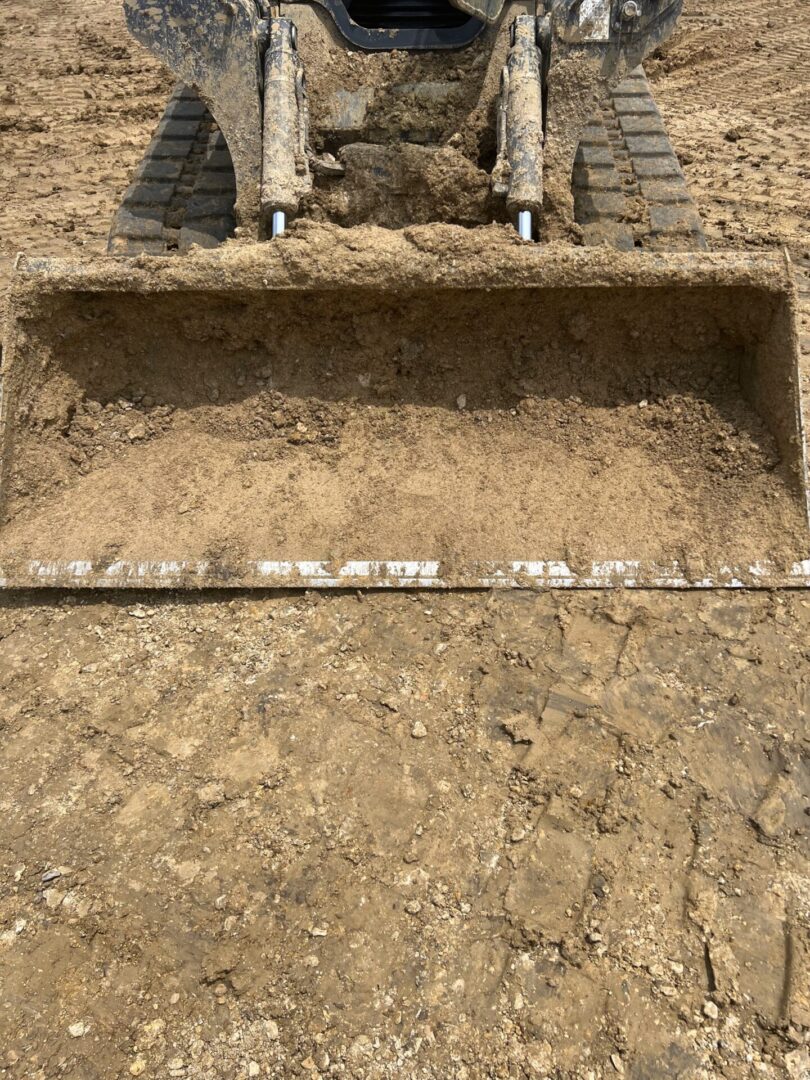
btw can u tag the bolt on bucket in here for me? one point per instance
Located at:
(429, 408)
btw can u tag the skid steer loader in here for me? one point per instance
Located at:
(404, 293)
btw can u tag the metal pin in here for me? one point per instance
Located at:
(525, 227)
(279, 222)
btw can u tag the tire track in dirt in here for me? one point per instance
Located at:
(732, 86)
(78, 102)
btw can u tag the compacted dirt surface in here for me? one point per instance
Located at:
(402, 834)
(405, 835)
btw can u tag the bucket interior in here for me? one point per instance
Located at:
(464, 425)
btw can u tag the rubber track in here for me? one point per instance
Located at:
(184, 189)
(629, 190)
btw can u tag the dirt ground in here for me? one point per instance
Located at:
(403, 835)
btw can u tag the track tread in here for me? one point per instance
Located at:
(184, 190)
(629, 190)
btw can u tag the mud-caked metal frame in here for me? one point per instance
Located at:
(218, 48)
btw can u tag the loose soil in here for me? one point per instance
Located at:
(460, 835)
(400, 415)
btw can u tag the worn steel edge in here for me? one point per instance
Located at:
(553, 574)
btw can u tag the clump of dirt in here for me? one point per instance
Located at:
(399, 186)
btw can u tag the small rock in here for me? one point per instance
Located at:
(461, 401)
(318, 931)
(732, 135)
(211, 795)
(617, 1063)
(797, 1063)
(78, 1029)
(517, 835)
(770, 816)
(137, 431)
(253, 1068)
(51, 875)
(599, 886)
(413, 907)
(271, 1029)
(153, 1028)
(521, 728)
(418, 731)
(137, 1067)
(711, 1010)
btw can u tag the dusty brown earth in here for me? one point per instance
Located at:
(463, 835)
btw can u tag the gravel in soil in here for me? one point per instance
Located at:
(421, 836)
(404, 835)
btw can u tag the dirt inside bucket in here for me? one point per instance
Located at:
(461, 425)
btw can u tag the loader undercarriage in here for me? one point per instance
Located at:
(628, 186)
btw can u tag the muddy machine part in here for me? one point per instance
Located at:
(518, 174)
(217, 47)
(561, 58)
(469, 333)
(285, 168)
